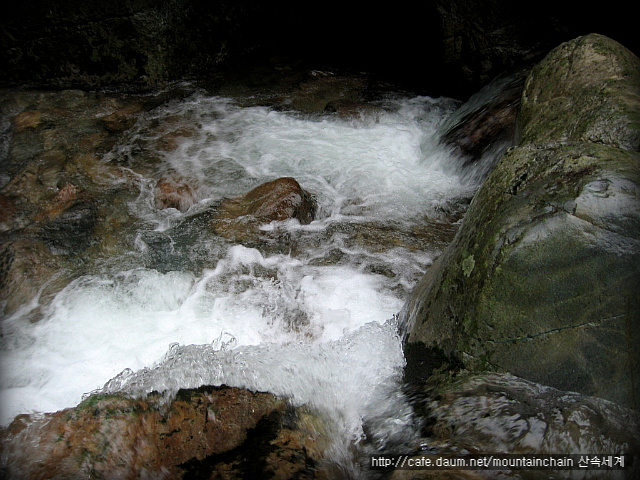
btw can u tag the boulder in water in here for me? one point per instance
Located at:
(326, 89)
(123, 118)
(28, 271)
(486, 120)
(542, 278)
(210, 432)
(281, 199)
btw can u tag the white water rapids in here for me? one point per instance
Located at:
(322, 333)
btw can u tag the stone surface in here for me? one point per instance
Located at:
(173, 191)
(27, 273)
(281, 199)
(211, 432)
(62, 204)
(487, 119)
(542, 278)
(123, 118)
(587, 91)
(499, 413)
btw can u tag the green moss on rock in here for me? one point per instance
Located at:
(542, 278)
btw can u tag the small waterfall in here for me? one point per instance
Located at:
(182, 308)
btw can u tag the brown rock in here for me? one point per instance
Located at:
(171, 131)
(7, 212)
(278, 200)
(27, 270)
(65, 197)
(489, 118)
(345, 108)
(173, 191)
(212, 430)
(123, 118)
(321, 88)
(27, 120)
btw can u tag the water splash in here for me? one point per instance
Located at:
(321, 332)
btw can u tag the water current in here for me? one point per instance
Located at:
(316, 323)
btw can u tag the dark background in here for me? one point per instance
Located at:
(434, 46)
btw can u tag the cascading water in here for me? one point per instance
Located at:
(182, 308)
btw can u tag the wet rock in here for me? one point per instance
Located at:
(170, 131)
(499, 413)
(173, 191)
(502, 413)
(325, 91)
(485, 120)
(7, 213)
(65, 197)
(281, 199)
(28, 271)
(72, 231)
(61, 206)
(27, 120)
(542, 278)
(123, 118)
(345, 108)
(210, 432)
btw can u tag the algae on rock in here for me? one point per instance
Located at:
(554, 234)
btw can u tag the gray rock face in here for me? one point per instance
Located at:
(588, 90)
(542, 278)
(503, 414)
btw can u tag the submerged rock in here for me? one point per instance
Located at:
(542, 278)
(211, 432)
(123, 118)
(62, 206)
(239, 218)
(173, 191)
(324, 91)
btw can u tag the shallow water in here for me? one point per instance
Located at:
(182, 308)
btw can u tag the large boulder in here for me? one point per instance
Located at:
(542, 278)
(210, 432)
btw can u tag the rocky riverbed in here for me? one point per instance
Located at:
(518, 338)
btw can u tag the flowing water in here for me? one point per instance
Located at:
(312, 319)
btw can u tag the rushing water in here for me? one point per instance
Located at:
(182, 308)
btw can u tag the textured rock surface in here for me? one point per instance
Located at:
(61, 203)
(281, 199)
(542, 278)
(486, 118)
(587, 91)
(205, 433)
(499, 413)
(173, 191)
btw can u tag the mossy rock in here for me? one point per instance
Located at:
(542, 278)
(586, 90)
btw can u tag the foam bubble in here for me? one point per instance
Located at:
(318, 333)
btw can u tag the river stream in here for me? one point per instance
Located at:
(311, 317)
